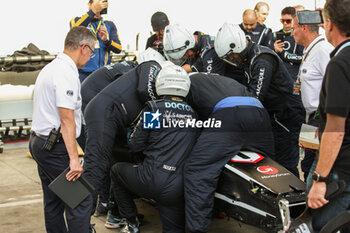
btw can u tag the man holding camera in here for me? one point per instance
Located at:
(334, 157)
(56, 124)
(311, 72)
(291, 55)
(105, 32)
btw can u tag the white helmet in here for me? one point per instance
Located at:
(177, 40)
(230, 39)
(173, 80)
(150, 55)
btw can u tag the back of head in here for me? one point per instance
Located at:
(230, 39)
(159, 21)
(77, 36)
(173, 80)
(150, 55)
(177, 40)
(338, 11)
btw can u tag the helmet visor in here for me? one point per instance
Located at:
(232, 58)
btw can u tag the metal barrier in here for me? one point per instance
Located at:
(125, 55)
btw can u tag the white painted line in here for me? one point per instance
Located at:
(19, 203)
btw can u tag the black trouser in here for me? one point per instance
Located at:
(242, 128)
(50, 165)
(151, 181)
(286, 136)
(101, 129)
(309, 155)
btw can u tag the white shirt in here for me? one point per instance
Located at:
(57, 85)
(312, 71)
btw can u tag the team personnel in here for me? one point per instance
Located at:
(93, 85)
(311, 73)
(159, 21)
(218, 98)
(291, 54)
(111, 112)
(57, 106)
(334, 158)
(267, 78)
(262, 11)
(194, 52)
(101, 78)
(255, 31)
(106, 34)
(160, 175)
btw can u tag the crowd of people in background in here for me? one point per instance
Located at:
(261, 85)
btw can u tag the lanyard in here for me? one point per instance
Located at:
(342, 47)
(306, 55)
(98, 27)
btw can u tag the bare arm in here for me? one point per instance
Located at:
(331, 142)
(68, 133)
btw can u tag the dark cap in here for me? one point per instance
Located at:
(159, 21)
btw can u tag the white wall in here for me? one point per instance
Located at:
(46, 22)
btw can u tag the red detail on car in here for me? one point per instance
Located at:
(267, 170)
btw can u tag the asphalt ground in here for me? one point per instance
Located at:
(21, 202)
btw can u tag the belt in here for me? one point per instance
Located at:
(39, 135)
(44, 137)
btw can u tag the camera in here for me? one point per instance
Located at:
(310, 17)
(280, 36)
(104, 11)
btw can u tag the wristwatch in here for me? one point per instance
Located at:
(318, 178)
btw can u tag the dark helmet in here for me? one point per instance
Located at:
(159, 21)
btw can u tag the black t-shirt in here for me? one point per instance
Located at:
(156, 43)
(335, 99)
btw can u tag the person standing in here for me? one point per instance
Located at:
(334, 158)
(57, 106)
(291, 54)
(159, 21)
(107, 38)
(267, 78)
(310, 76)
(254, 31)
(262, 11)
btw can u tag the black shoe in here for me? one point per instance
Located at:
(102, 209)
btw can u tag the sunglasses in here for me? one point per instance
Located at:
(286, 21)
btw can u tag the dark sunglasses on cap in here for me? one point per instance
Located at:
(286, 20)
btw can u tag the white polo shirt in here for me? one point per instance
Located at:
(312, 71)
(57, 85)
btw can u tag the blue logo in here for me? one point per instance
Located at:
(151, 120)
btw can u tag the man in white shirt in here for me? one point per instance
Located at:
(57, 107)
(311, 72)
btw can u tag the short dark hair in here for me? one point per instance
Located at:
(77, 36)
(159, 21)
(339, 12)
(288, 11)
(314, 28)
